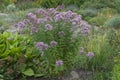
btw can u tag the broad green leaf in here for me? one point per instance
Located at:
(28, 72)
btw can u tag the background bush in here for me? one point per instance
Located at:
(114, 22)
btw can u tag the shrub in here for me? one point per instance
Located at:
(99, 21)
(11, 55)
(103, 15)
(114, 22)
(11, 7)
(99, 4)
(54, 39)
(89, 12)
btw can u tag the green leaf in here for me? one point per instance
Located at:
(5, 54)
(28, 72)
(39, 75)
(2, 48)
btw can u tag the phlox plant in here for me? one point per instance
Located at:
(53, 33)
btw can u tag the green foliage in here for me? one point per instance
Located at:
(100, 75)
(97, 20)
(12, 59)
(99, 4)
(102, 52)
(5, 2)
(89, 12)
(27, 5)
(11, 7)
(114, 22)
(103, 15)
(116, 69)
(117, 3)
(55, 3)
(60, 30)
(28, 72)
(65, 50)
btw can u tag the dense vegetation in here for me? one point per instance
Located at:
(52, 38)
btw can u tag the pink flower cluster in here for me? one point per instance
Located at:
(89, 54)
(42, 45)
(53, 15)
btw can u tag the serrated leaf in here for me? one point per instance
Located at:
(28, 72)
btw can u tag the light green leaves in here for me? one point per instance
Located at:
(28, 72)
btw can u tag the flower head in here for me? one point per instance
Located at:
(90, 54)
(61, 33)
(26, 21)
(33, 29)
(39, 45)
(31, 16)
(53, 43)
(20, 25)
(40, 11)
(60, 7)
(45, 46)
(48, 27)
(59, 63)
(39, 20)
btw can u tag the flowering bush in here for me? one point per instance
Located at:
(55, 37)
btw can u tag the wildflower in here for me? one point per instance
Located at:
(33, 29)
(51, 10)
(85, 31)
(59, 17)
(59, 63)
(20, 25)
(47, 18)
(48, 27)
(39, 21)
(53, 43)
(40, 11)
(76, 20)
(39, 45)
(60, 7)
(85, 27)
(74, 23)
(31, 16)
(61, 33)
(26, 21)
(90, 54)
(45, 46)
(69, 13)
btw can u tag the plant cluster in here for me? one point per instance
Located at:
(11, 55)
(53, 32)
